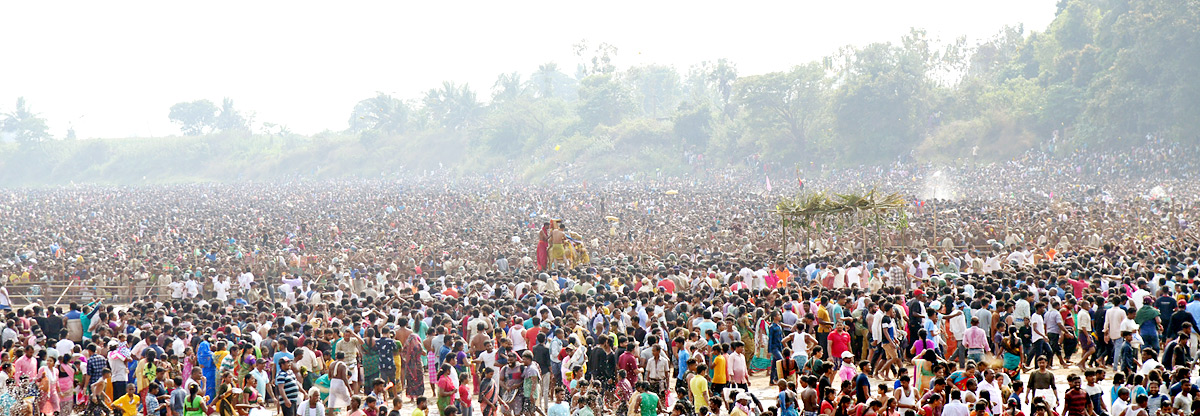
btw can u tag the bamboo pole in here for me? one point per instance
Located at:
(783, 240)
(935, 221)
(64, 292)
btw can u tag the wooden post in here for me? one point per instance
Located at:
(935, 218)
(783, 225)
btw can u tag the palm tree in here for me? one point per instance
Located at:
(382, 112)
(25, 125)
(507, 88)
(544, 77)
(454, 106)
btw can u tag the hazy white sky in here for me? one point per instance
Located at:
(113, 69)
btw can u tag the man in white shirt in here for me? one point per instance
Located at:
(1083, 320)
(294, 281)
(956, 407)
(488, 358)
(193, 288)
(337, 295)
(1149, 363)
(1017, 256)
(759, 281)
(1113, 319)
(64, 346)
(289, 294)
(854, 276)
(1139, 295)
(8, 334)
(1037, 326)
(1021, 311)
(177, 289)
(957, 326)
(1121, 403)
(992, 264)
(746, 275)
(177, 345)
(118, 364)
(990, 384)
(1130, 325)
(245, 279)
(221, 286)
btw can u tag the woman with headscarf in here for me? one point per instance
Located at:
(206, 360)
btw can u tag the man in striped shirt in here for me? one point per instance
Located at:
(230, 362)
(289, 389)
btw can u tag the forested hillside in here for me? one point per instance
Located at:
(1104, 73)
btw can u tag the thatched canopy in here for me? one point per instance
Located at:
(803, 211)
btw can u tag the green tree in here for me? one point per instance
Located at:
(657, 89)
(712, 83)
(784, 109)
(721, 80)
(524, 123)
(230, 119)
(1148, 86)
(596, 61)
(24, 125)
(693, 125)
(884, 104)
(453, 106)
(602, 101)
(194, 118)
(548, 82)
(381, 113)
(507, 88)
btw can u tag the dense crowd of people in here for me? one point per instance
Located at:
(1042, 286)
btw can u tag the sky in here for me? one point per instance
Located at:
(113, 69)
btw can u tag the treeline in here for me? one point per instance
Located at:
(1105, 73)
